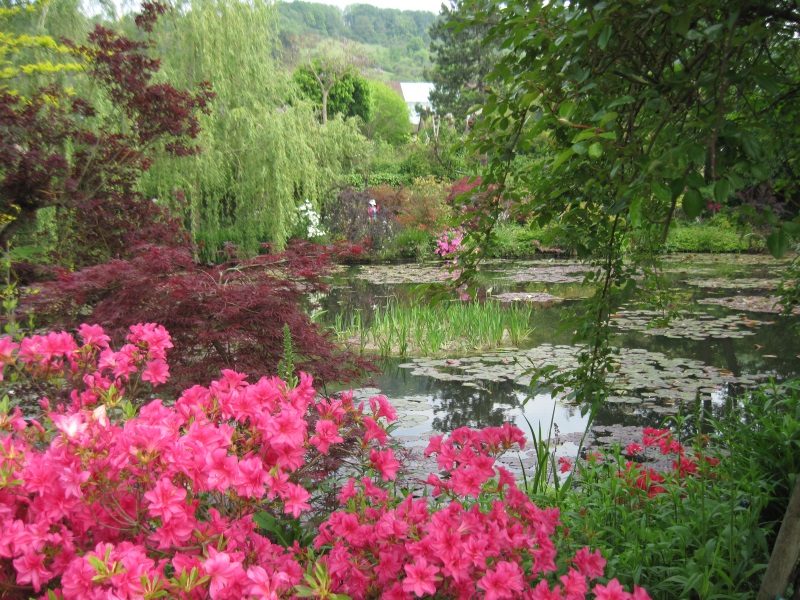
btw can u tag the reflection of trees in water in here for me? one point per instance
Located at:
(459, 406)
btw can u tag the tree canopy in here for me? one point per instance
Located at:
(643, 110)
(462, 58)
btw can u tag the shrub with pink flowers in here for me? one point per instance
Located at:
(448, 242)
(113, 493)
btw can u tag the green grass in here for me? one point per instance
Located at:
(447, 328)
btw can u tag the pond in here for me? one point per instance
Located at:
(727, 336)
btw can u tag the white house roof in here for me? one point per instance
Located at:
(416, 92)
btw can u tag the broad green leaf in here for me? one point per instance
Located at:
(566, 109)
(778, 243)
(791, 227)
(579, 148)
(562, 157)
(722, 189)
(596, 150)
(621, 101)
(636, 212)
(605, 35)
(697, 154)
(695, 180)
(661, 191)
(693, 203)
(751, 146)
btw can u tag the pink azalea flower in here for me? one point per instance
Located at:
(93, 335)
(70, 425)
(224, 572)
(564, 464)
(156, 372)
(374, 432)
(420, 578)
(385, 462)
(632, 449)
(30, 569)
(504, 581)
(294, 499)
(327, 434)
(590, 564)
(613, 591)
(575, 586)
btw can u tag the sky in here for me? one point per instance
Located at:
(429, 5)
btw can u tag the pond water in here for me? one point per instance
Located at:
(722, 341)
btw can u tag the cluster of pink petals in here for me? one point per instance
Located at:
(161, 504)
(484, 539)
(449, 241)
(97, 507)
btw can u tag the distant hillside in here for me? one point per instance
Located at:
(396, 41)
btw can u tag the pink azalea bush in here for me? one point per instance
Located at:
(114, 494)
(448, 242)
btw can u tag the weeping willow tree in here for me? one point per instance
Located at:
(263, 152)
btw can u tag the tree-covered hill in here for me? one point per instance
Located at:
(394, 41)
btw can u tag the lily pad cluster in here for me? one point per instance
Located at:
(641, 377)
(736, 284)
(541, 298)
(397, 274)
(550, 274)
(696, 327)
(764, 304)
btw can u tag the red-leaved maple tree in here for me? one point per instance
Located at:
(135, 262)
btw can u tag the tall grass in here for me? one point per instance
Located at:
(443, 329)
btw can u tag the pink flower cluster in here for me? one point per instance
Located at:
(97, 507)
(448, 242)
(484, 539)
(101, 501)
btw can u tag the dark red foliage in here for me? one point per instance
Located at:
(462, 186)
(225, 316)
(95, 185)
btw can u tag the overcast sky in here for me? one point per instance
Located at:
(429, 5)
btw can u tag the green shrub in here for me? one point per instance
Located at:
(512, 240)
(713, 235)
(700, 533)
(410, 243)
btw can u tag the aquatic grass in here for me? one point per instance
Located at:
(436, 330)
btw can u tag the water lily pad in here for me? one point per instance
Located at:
(541, 298)
(693, 327)
(765, 304)
(736, 284)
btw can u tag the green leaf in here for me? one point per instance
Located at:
(566, 109)
(605, 35)
(791, 227)
(661, 192)
(722, 189)
(608, 135)
(695, 180)
(636, 212)
(561, 158)
(697, 154)
(303, 591)
(579, 148)
(751, 146)
(621, 101)
(693, 203)
(596, 150)
(778, 243)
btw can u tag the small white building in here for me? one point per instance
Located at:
(416, 93)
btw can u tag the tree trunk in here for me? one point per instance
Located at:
(786, 551)
(324, 106)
